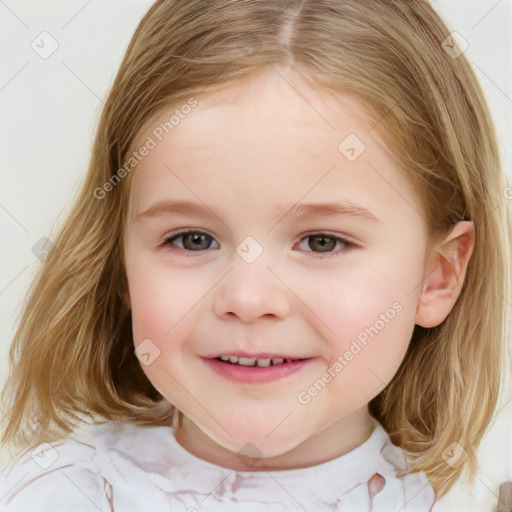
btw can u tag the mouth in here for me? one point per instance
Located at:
(256, 370)
(257, 360)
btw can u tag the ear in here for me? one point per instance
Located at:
(444, 274)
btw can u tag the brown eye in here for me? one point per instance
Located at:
(190, 241)
(319, 243)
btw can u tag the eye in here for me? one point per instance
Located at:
(322, 245)
(325, 244)
(191, 241)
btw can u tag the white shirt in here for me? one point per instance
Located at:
(122, 467)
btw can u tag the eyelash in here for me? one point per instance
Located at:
(326, 255)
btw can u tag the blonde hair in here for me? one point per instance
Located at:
(72, 355)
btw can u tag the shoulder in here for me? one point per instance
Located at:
(60, 475)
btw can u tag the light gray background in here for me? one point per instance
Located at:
(50, 108)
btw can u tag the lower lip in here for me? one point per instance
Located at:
(256, 374)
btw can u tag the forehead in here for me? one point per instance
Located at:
(270, 96)
(271, 133)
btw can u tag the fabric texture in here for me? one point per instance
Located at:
(126, 468)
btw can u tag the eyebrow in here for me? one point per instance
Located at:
(347, 209)
(296, 213)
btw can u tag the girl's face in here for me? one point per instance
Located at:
(305, 241)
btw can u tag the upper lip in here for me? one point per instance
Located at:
(258, 355)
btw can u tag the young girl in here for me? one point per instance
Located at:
(282, 285)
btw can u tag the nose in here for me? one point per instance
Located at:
(251, 291)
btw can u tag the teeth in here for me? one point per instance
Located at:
(246, 361)
(252, 361)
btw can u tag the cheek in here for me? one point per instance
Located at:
(151, 311)
(161, 304)
(352, 296)
(367, 311)
(159, 299)
(165, 303)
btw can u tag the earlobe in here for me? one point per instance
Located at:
(444, 275)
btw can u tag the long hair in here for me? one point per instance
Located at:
(72, 357)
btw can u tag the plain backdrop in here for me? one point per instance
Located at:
(50, 108)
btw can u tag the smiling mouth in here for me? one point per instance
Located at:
(253, 362)
(246, 369)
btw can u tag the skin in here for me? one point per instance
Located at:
(250, 153)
